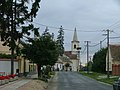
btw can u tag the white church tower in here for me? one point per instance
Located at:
(75, 43)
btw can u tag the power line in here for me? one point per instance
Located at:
(114, 24)
(116, 27)
(79, 30)
(94, 45)
(98, 43)
(46, 25)
(82, 52)
(66, 29)
(116, 33)
(114, 37)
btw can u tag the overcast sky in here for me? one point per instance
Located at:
(90, 17)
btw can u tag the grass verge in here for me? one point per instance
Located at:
(100, 77)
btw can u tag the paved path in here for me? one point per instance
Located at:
(75, 81)
(52, 85)
(14, 85)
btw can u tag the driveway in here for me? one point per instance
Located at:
(74, 81)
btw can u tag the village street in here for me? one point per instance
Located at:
(74, 81)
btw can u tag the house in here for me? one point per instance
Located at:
(71, 57)
(21, 65)
(59, 65)
(114, 59)
(5, 63)
(25, 66)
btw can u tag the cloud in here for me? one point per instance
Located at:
(85, 15)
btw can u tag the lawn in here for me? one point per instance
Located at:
(100, 77)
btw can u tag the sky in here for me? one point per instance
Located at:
(90, 17)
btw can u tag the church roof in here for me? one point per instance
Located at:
(59, 60)
(70, 55)
(75, 36)
(64, 59)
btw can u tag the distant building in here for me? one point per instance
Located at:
(5, 64)
(21, 65)
(114, 59)
(72, 57)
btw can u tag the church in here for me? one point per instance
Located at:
(70, 59)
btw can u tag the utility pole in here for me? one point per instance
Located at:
(87, 55)
(90, 57)
(108, 34)
(100, 45)
(108, 73)
(12, 30)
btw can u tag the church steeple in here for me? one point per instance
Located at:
(75, 36)
(75, 43)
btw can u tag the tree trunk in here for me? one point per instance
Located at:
(24, 67)
(39, 70)
(12, 61)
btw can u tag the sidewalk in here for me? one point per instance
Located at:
(52, 85)
(18, 83)
(14, 85)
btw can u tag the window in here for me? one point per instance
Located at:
(74, 46)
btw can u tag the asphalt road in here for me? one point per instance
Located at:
(75, 81)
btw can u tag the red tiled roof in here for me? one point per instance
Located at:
(65, 59)
(70, 55)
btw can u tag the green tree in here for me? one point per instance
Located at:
(99, 61)
(42, 51)
(90, 65)
(60, 41)
(14, 14)
(67, 65)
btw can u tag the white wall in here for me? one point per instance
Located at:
(74, 50)
(5, 66)
(75, 65)
(58, 65)
(27, 66)
(110, 60)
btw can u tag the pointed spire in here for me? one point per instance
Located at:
(75, 36)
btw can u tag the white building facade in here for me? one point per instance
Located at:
(5, 66)
(72, 57)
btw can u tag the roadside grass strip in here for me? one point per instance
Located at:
(100, 77)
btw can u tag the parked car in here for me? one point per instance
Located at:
(116, 84)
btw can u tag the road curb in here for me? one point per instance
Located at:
(51, 82)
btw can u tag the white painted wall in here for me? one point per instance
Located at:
(27, 65)
(58, 65)
(75, 65)
(110, 61)
(74, 50)
(5, 66)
